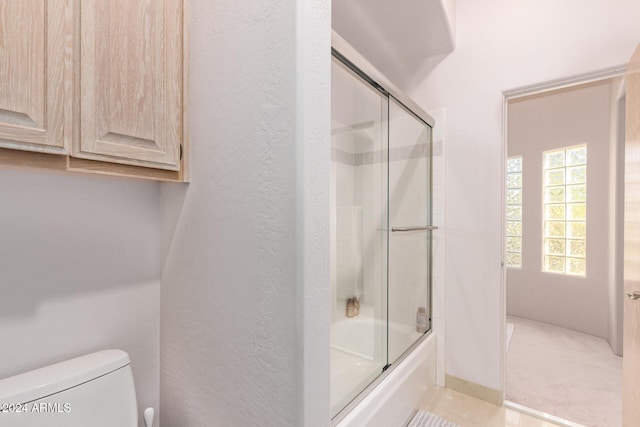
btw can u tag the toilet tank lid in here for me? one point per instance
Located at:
(42, 382)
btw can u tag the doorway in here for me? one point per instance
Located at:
(563, 251)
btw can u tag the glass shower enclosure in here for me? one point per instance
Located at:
(380, 223)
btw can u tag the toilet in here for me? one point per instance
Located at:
(95, 390)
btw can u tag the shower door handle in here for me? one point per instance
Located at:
(416, 228)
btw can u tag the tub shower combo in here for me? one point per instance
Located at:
(380, 241)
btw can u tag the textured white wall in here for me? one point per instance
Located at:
(245, 287)
(79, 272)
(501, 45)
(545, 122)
(313, 161)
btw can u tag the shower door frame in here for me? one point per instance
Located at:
(354, 61)
(350, 57)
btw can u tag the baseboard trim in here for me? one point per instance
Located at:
(539, 414)
(475, 390)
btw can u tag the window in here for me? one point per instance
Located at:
(514, 212)
(565, 211)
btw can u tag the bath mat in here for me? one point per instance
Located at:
(427, 419)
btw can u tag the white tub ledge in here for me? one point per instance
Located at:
(396, 398)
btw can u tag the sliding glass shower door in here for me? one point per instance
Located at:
(358, 243)
(380, 203)
(410, 220)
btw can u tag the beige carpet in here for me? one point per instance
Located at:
(564, 373)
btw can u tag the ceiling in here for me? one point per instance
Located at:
(396, 36)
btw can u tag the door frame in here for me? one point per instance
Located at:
(507, 96)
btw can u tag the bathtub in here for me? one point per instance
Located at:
(393, 397)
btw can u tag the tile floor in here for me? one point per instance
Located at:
(468, 411)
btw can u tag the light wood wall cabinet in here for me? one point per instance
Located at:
(32, 75)
(98, 85)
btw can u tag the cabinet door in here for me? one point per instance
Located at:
(32, 74)
(131, 82)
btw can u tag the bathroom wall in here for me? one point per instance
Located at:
(572, 116)
(500, 45)
(245, 287)
(79, 272)
(449, 7)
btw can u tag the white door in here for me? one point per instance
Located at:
(631, 396)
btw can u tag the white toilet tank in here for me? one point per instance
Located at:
(95, 390)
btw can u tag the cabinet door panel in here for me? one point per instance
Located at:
(131, 82)
(32, 73)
